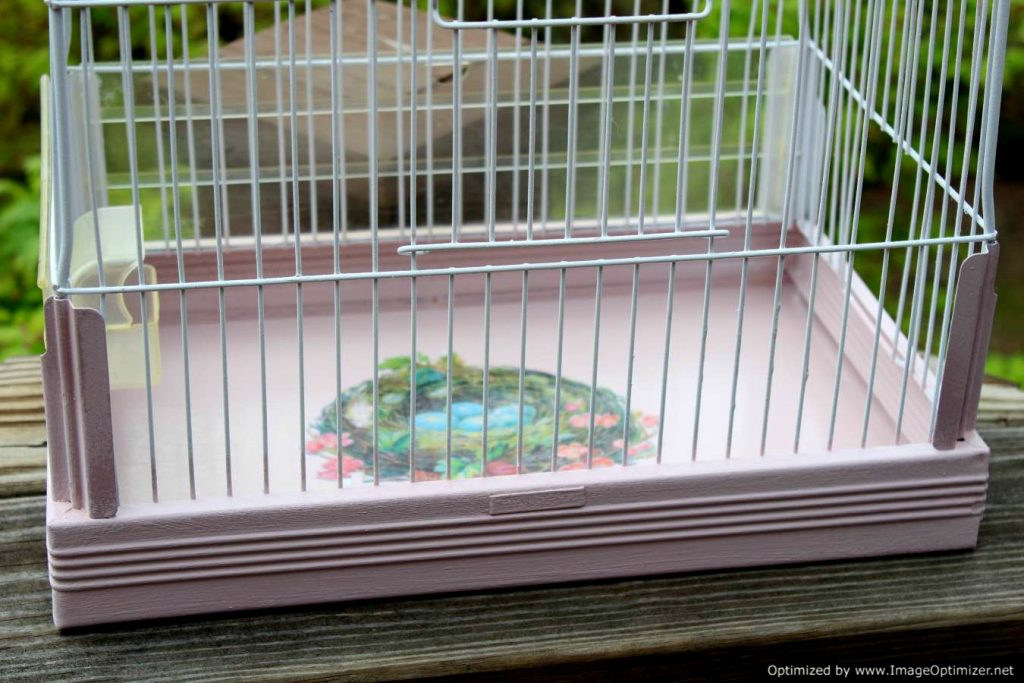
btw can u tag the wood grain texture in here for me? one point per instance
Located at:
(715, 625)
(22, 429)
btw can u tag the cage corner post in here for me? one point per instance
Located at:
(969, 334)
(77, 399)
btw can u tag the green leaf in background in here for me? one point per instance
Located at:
(1006, 366)
(21, 306)
(24, 56)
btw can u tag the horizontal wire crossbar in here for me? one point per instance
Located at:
(563, 242)
(441, 58)
(520, 267)
(568, 22)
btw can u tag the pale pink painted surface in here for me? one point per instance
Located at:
(233, 554)
(286, 431)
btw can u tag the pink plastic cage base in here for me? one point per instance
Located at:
(220, 553)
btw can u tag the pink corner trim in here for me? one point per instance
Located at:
(77, 394)
(968, 345)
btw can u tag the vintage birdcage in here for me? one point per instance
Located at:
(359, 299)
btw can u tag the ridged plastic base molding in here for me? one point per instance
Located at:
(189, 558)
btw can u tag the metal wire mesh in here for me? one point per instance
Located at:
(655, 135)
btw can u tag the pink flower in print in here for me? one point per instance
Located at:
(350, 465)
(633, 449)
(605, 420)
(573, 406)
(501, 467)
(582, 465)
(328, 441)
(424, 475)
(329, 468)
(640, 448)
(572, 451)
(650, 421)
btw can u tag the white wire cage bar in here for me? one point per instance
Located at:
(297, 247)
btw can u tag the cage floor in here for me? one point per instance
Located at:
(288, 427)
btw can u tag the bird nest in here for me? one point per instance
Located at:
(581, 429)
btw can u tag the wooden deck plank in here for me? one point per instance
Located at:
(22, 425)
(721, 625)
(25, 434)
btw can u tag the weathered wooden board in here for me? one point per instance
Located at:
(313, 103)
(716, 625)
(392, 38)
(22, 429)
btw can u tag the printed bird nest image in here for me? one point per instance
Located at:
(564, 419)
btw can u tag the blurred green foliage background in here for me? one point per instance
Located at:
(24, 58)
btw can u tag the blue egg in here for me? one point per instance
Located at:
(474, 423)
(508, 416)
(466, 409)
(503, 422)
(503, 411)
(432, 422)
